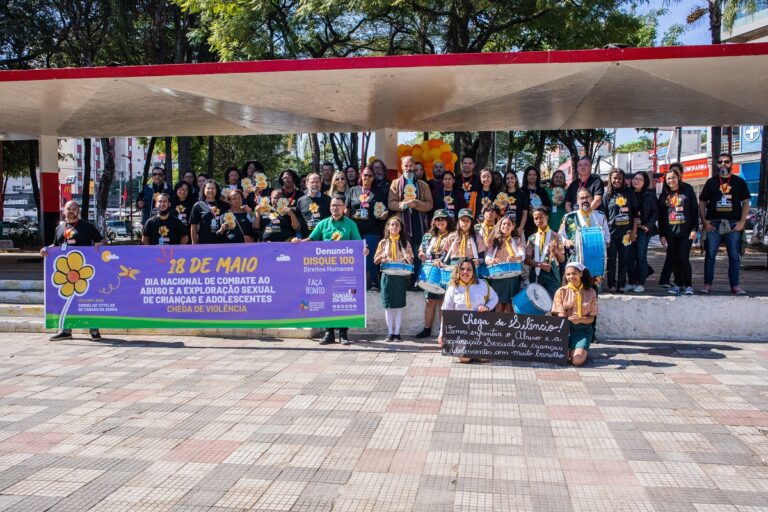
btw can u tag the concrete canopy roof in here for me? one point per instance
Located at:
(634, 87)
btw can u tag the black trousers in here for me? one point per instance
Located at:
(617, 251)
(679, 255)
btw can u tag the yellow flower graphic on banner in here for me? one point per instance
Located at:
(336, 235)
(163, 230)
(313, 207)
(621, 201)
(72, 274)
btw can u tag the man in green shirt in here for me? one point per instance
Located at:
(333, 228)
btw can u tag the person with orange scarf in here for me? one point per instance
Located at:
(577, 301)
(394, 247)
(467, 293)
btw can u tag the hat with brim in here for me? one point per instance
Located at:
(465, 212)
(441, 214)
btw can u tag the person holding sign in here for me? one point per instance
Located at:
(467, 293)
(76, 232)
(204, 219)
(276, 221)
(394, 247)
(335, 227)
(431, 251)
(505, 247)
(236, 226)
(164, 228)
(543, 253)
(724, 206)
(577, 301)
(678, 226)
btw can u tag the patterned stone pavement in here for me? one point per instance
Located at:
(202, 424)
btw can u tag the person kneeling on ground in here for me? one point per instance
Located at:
(577, 301)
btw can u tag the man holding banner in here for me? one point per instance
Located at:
(78, 232)
(334, 228)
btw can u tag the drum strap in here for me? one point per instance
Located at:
(584, 220)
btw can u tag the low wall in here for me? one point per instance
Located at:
(697, 317)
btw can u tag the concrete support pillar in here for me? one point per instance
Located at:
(49, 186)
(386, 148)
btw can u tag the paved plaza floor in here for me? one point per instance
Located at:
(204, 424)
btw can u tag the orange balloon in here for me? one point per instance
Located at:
(371, 159)
(407, 152)
(446, 157)
(434, 143)
(416, 152)
(455, 157)
(445, 147)
(425, 146)
(428, 170)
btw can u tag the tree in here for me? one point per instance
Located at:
(105, 183)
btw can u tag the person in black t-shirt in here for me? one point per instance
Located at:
(313, 207)
(622, 211)
(723, 207)
(277, 222)
(164, 228)
(235, 226)
(146, 200)
(77, 232)
(327, 174)
(204, 220)
(585, 179)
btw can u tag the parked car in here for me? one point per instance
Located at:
(116, 227)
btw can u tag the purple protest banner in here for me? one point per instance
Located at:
(265, 285)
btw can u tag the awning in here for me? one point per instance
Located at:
(636, 87)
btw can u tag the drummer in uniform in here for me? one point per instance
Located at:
(542, 253)
(394, 247)
(432, 250)
(505, 247)
(584, 217)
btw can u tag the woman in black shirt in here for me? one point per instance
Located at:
(361, 208)
(648, 217)
(276, 222)
(235, 226)
(204, 219)
(537, 197)
(517, 202)
(678, 226)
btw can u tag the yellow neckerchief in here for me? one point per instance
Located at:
(542, 238)
(393, 245)
(587, 217)
(437, 242)
(511, 253)
(463, 239)
(466, 293)
(577, 290)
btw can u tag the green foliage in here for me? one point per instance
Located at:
(643, 144)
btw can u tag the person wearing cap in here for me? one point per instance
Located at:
(577, 301)
(466, 292)
(465, 242)
(544, 253)
(505, 247)
(432, 249)
(410, 200)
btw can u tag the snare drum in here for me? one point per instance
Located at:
(445, 276)
(505, 270)
(590, 250)
(397, 269)
(430, 278)
(534, 300)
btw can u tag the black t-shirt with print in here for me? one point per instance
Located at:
(164, 231)
(205, 216)
(276, 228)
(242, 228)
(724, 203)
(81, 233)
(621, 208)
(594, 185)
(310, 215)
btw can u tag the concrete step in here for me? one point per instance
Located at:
(34, 324)
(22, 310)
(21, 285)
(21, 297)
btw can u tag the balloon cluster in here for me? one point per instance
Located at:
(429, 152)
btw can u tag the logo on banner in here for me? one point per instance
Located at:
(752, 133)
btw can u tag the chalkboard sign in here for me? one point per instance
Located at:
(505, 336)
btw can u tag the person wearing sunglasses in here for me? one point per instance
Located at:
(146, 201)
(723, 207)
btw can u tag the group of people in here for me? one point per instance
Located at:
(457, 221)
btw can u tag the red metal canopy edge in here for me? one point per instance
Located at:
(402, 61)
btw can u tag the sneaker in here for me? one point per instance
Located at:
(328, 338)
(612, 289)
(425, 333)
(397, 337)
(344, 338)
(63, 335)
(706, 289)
(390, 337)
(689, 290)
(674, 290)
(95, 334)
(665, 285)
(738, 291)
(620, 289)
(639, 288)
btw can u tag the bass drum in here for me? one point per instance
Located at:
(590, 250)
